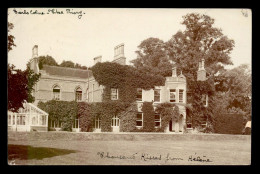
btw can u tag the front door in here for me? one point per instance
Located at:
(115, 123)
(170, 125)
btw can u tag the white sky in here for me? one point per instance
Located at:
(65, 37)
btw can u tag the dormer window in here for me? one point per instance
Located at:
(78, 94)
(114, 94)
(56, 93)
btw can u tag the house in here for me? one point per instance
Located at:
(68, 84)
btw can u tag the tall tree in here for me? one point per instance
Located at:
(10, 43)
(200, 40)
(20, 87)
(20, 83)
(152, 57)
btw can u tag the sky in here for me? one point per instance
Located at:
(91, 32)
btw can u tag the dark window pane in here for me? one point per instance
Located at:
(138, 123)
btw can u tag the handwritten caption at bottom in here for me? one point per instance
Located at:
(148, 157)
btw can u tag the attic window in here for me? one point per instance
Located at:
(56, 93)
(78, 96)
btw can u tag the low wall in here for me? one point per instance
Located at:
(85, 136)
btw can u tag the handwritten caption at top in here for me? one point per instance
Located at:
(78, 13)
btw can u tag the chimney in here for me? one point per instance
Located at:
(174, 71)
(97, 59)
(35, 51)
(119, 56)
(34, 61)
(201, 74)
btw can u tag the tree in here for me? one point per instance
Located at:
(11, 38)
(152, 57)
(20, 87)
(20, 83)
(200, 40)
(235, 87)
(47, 60)
(69, 64)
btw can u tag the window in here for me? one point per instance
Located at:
(76, 123)
(181, 95)
(157, 120)
(9, 119)
(172, 95)
(115, 121)
(157, 97)
(97, 123)
(189, 125)
(56, 93)
(139, 94)
(20, 119)
(139, 119)
(205, 100)
(78, 96)
(114, 93)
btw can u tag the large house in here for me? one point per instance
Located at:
(68, 84)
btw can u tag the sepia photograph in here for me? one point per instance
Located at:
(129, 86)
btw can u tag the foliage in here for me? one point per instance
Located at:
(166, 111)
(148, 117)
(69, 64)
(84, 116)
(46, 60)
(11, 38)
(62, 111)
(229, 124)
(126, 78)
(200, 40)
(236, 84)
(152, 57)
(20, 87)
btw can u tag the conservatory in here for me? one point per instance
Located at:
(29, 118)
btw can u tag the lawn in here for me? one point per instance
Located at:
(162, 150)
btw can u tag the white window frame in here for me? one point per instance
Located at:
(76, 122)
(97, 123)
(116, 94)
(78, 95)
(142, 120)
(182, 95)
(141, 94)
(115, 121)
(175, 93)
(159, 95)
(54, 94)
(155, 121)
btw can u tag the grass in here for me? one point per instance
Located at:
(227, 151)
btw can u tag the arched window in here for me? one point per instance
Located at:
(56, 92)
(78, 94)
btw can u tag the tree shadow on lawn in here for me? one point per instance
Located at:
(25, 152)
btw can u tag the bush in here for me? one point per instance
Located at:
(228, 124)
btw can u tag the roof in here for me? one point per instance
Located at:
(68, 72)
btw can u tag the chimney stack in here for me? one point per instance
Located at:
(174, 71)
(35, 51)
(201, 74)
(119, 51)
(34, 61)
(119, 56)
(97, 59)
